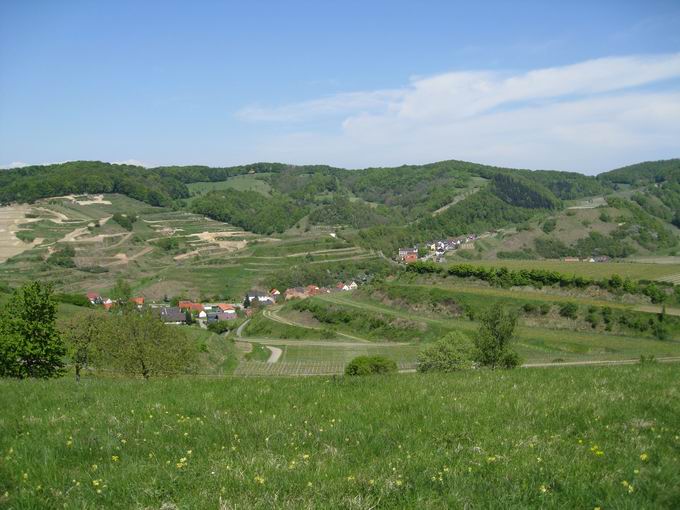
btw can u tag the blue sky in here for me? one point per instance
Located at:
(584, 86)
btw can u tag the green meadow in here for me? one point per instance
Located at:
(550, 438)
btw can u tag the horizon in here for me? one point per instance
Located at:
(579, 87)
(357, 169)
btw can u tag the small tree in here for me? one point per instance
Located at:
(140, 344)
(246, 302)
(83, 334)
(453, 352)
(493, 340)
(30, 345)
(122, 293)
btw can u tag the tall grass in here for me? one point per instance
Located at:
(559, 438)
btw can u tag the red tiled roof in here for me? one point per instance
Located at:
(137, 300)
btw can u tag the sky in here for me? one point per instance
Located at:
(584, 86)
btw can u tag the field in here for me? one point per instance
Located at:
(565, 438)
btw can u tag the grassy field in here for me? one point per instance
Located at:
(566, 438)
(633, 270)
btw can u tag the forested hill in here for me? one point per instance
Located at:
(383, 207)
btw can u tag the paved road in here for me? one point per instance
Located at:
(275, 354)
(239, 330)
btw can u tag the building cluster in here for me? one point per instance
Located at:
(187, 311)
(602, 258)
(314, 290)
(436, 249)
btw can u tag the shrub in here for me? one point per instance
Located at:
(125, 221)
(529, 307)
(549, 225)
(492, 343)
(569, 310)
(369, 365)
(545, 309)
(219, 327)
(453, 352)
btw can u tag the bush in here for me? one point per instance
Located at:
(125, 221)
(369, 365)
(219, 327)
(494, 338)
(549, 225)
(453, 352)
(569, 310)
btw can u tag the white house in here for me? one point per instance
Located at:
(353, 286)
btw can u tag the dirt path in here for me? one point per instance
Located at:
(674, 359)
(11, 218)
(323, 343)
(275, 354)
(271, 314)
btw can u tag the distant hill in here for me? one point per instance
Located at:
(384, 208)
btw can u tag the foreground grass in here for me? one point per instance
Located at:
(557, 438)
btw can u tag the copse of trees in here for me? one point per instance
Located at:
(250, 211)
(30, 344)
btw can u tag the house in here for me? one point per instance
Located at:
(220, 316)
(406, 252)
(226, 308)
(274, 293)
(411, 258)
(570, 259)
(296, 293)
(312, 290)
(139, 301)
(191, 306)
(353, 286)
(94, 298)
(171, 315)
(258, 295)
(342, 286)
(107, 303)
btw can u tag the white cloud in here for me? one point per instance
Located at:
(14, 164)
(588, 116)
(134, 162)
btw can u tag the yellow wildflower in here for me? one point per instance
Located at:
(644, 457)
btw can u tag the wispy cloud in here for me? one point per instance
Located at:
(587, 116)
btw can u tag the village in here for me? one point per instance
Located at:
(205, 314)
(436, 250)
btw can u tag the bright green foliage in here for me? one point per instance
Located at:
(30, 345)
(139, 344)
(453, 352)
(121, 292)
(370, 365)
(493, 340)
(557, 438)
(83, 336)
